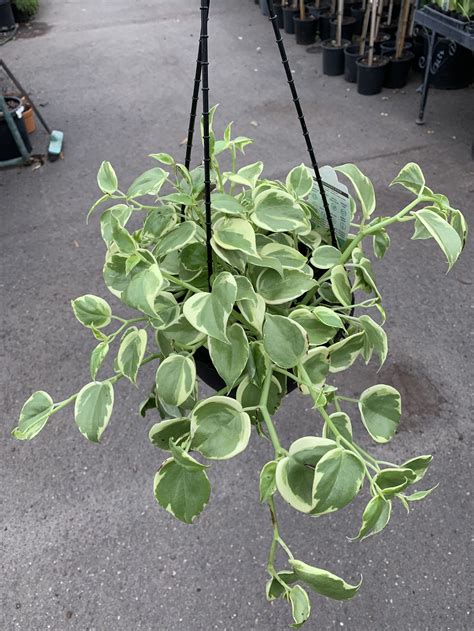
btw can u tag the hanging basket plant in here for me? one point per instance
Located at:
(269, 297)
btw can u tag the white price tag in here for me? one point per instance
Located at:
(339, 204)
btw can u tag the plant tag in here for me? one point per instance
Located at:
(339, 204)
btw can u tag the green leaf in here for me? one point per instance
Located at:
(158, 222)
(341, 286)
(173, 429)
(418, 465)
(411, 177)
(287, 256)
(164, 158)
(318, 333)
(325, 257)
(97, 357)
(343, 425)
(299, 181)
(459, 224)
(182, 334)
(328, 317)
(34, 415)
(274, 589)
(419, 495)
(285, 341)
(324, 582)
(93, 409)
(92, 311)
(148, 183)
(316, 366)
(131, 353)
(177, 238)
(230, 358)
(394, 480)
(380, 409)
(338, 478)
(344, 353)
(184, 460)
(181, 492)
(277, 211)
(442, 232)
(220, 428)
(276, 289)
(224, 203)
(375, 339)
(234, 233)
(295, 474)
(121, 237)
(247, 175)
(267, 480)
(106, 178)
(209, 312)
(249, 394)
(143, 290)
(175, 379)
(381, 243)
(120, 212)
(300, 606)
(362, 186)
(375, 517)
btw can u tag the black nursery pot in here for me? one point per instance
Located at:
(351, 55)
(305, 30)
(370, 78)
(380, 40)
(264, 7)
(289, 15)
(7, 21)
(325, 25)
(357, 12)
(396, 75)
(279, 13)
(387, 48)
(348, 26)
(333, 57)
(390, 29)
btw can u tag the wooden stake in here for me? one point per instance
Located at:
(372, 32)
(365, 28)
(390, 13)
(340, 14)
(302, 10)
(402, 28)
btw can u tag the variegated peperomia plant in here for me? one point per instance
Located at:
(280, 313)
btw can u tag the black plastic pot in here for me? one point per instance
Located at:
(348, 4)
(380, 40)
(396, 75)
(279, 13)
(264, 7)
(390, 29)
(325, 25)
(8, 146)
(305, 30)
(7, 21)
(333, 57)
(387, 48)
(351, 55)
(370, 78)
(357, 12)
(289, 15)
(348, 26)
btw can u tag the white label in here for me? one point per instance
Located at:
(339, 203)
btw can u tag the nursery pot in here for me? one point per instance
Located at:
(348, 26)
(279, 13)
(305, 30)
(351, 55)
(396, 75)
(325, 25)
(348, 4)
(382, 38)
(390, 29)
(7, 21)
(333, 57)
(8, 146)
(288, 19)
(357, 12)
(390, 46)
(264, 7)
(370, 78)
(29, 119)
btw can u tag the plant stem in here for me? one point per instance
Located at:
(266, 415)
(181, 283)
(273, 548)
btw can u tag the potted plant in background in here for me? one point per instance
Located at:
(371, 68)
(7, 20)
(24, 10)
(353, 52)
(283, 308)
(348, 24)
(278, 7)
(290, 11)
(305, 26)
(333, 49)
(400, 60)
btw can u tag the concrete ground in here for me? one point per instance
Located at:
(84, 545)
